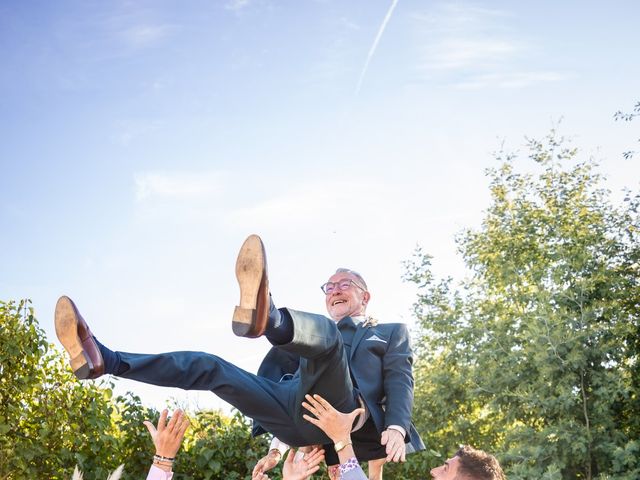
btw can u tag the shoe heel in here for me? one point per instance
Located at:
(243, 321)
(81, 366)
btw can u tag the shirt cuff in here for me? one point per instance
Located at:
(156, 473)
(399, 429)
(350, 464)
(278, 445)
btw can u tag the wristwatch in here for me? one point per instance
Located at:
(341, 444)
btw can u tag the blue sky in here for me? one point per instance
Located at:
(142, 141)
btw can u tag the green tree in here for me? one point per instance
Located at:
(217, 446)
(535, 355)
(50, 421)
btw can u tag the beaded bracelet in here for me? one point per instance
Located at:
(163, 459)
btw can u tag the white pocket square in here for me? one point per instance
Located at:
(375, 338)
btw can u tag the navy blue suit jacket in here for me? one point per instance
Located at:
(380, 361)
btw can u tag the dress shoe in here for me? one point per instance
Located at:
(76, 338)
(251, 316)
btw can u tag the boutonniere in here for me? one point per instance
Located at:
(370, 321)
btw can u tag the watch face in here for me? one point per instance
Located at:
(340, 445)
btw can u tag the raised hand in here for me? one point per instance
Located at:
(396, 448)
(335, 424)
(304, 467)
(265, 464)
(167, 437)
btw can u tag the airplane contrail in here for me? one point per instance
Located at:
(372, 50)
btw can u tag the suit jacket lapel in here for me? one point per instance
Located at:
(357, 337)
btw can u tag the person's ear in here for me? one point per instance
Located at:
(365, 298)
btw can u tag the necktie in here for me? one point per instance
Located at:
(347, 329)
(346, 323)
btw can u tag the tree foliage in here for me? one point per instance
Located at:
(535, 355)
(627, 117)
(50, 422)
(220, 447)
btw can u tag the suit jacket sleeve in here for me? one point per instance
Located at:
(398, 379)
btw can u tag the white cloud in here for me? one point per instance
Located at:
(464, 37)
(177, 185)
(307, 204)
(450, 19)
(236, 5)
(511, 80)
(144, 36)
(471, 48)
(349, 24)
(465, 53)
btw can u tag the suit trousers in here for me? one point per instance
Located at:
(276, 406)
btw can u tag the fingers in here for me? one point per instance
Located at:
(310, 408)
(314, 457)
(398, 455)
(175, 418)
(312, 470)
(309, 462)
(290, 456)
(322, 401)
(257, 470)
(313, 405)
(265, 464)
(162, 421)
(152, 430)
(391, 449)
(259, 476)
(319, 404)
(394, 442)
(182, 428)
(309, 417)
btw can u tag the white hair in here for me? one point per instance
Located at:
(363, 284)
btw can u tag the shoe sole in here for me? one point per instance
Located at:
(249, 272)
(66, 322)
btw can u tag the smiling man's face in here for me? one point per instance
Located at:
(346, 303)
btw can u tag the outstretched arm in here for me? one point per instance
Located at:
(270, 460)
(167, 437)
(337, 426)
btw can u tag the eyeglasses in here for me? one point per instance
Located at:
(329, 287)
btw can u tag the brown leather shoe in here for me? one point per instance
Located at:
(76, 338)
(250, 317)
